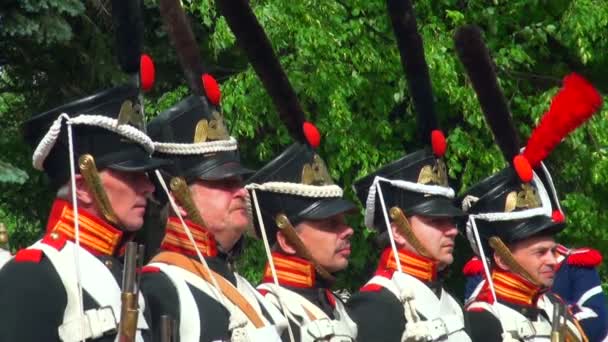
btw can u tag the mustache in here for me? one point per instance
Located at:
(547, 269)
(238, 205)
(343, 245)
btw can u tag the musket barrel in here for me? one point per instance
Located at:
(556, 324)
(129, 298)
(167, 329)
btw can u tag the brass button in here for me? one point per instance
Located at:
(54, 236)
(108, 263)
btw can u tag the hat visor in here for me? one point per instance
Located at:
(436, 206)
(227, 169)
(141, 163)
(328, 207)
(534, 226)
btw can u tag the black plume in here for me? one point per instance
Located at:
(252, 39)
(410, 46)
(475, 56)
(128, 32)
(180, 33)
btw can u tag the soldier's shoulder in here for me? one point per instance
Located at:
(31, 277)
(28, 263)
(473, 267)
(482, 325)
(584, 257)
(371, 298)
(154, 280)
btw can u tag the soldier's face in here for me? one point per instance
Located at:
(437, 235)
(537, 256)
(328, 241)
(223, 206)
(127, 192)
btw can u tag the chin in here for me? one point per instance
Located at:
(133, 226)
(447, 259)
(547, 282)
(338, 266)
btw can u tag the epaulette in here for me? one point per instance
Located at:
(475, 309)
(150, 269)
(371, 288)
(584, 257)
(29, 255)
(473, 267)
(485, 296)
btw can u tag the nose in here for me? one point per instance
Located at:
(450, 230)
(240, 191)
(550, 259)
(145, 186)
(346, 232)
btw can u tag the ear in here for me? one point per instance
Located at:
(499, 262)
(83, 194)
(400, 240)
(284, 244)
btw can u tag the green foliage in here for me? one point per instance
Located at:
(11, 174)
(342, 60)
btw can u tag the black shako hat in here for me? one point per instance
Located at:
(417, 183)
(193, 135)
(106, 125)
(297, 184)
(504, 206)
(192, 132)
(519, 201)
(109, 124)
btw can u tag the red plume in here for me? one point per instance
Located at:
(558, 216)
(523, 168)
(312, 134)
(438, 142)
(575, 103)
(212, 90)
(147, 72)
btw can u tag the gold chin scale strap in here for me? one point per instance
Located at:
(181, 191)
(89, 172)
(405, 229)
(292, 237)
(505, 254)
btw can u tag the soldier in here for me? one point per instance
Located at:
(298, 210)
(309, 238)
(191, 280)
(513, 214)
(65, 286)
(577, 282)
(405, 300)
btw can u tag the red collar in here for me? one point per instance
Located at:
(511, 288)
(291, 271)
(96, 235)
(176, 240)
(422, 268)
